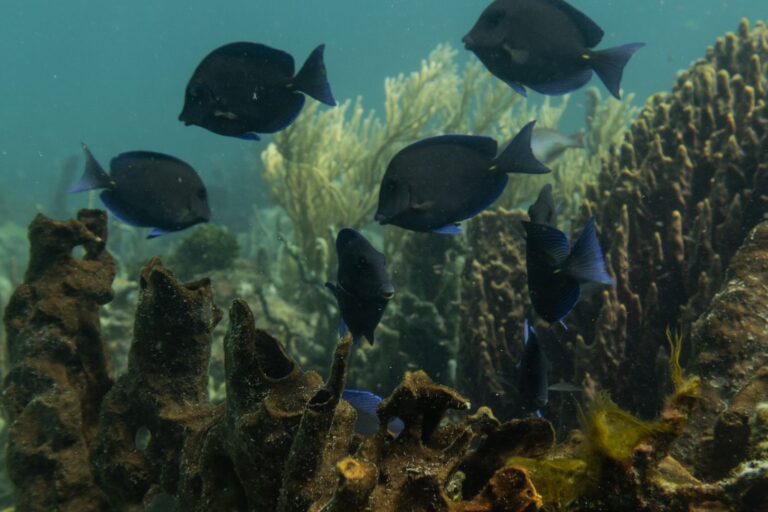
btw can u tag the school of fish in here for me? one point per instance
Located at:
(244, 89)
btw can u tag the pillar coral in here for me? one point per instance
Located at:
(674, 203)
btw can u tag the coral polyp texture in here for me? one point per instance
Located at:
(674, 203)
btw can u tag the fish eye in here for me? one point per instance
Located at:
(197, 91)
(361, 261)
(493, 18)
(202, 194)
(392, 185)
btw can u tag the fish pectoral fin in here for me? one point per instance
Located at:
(518, 56)
(450, 229)
(423, 206)
(156, 232)
(226, 115)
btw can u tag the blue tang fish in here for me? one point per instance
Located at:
(556, 271)
(147, 189)
(366, 404)
(533, 384)
(363, 288)
(435, 183)
(546, 45)
(243, 89)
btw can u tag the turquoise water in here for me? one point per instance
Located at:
(112, 74)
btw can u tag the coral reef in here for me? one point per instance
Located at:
(58, 371)
(494, 301)
(283, 440)
(154, 439)
(208, 247)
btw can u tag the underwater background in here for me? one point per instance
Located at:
(109, 74)
(627, 429)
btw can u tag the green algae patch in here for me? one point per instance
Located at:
(611, 438)
(559, 482)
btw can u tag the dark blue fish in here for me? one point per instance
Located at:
(556, 273)
(544, 211)
(546, 45)
(146, 189)
(435, 183)
(366, 404)
(243, 89)
(533, 385)
(363, 289)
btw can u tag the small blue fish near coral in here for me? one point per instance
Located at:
(545, 45)
(363, 288)
(556, 272)
(366, 405)
(435, 183)
(243, 89)
(533, 383)
(147, 189)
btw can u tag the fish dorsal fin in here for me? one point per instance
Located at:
(592, 33)
(486, 146)
(124, 161)
(261, 53)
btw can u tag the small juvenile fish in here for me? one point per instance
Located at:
(435, 183)
(147, 189)
(544, 211)
(366, 405)
(363, 289)
(243, 89)
(548, 145)
(556, 272)
(533, 385)
(546, 45)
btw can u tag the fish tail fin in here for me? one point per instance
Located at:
(518, 155)
(609, 65)
(312, 78)
(586, 262)
(93, 177)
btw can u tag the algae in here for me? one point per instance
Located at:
(207, 248)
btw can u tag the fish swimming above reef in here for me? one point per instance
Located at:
(556, 272)
(533, 383)
(363, 288)
(243, 89)
(366, 404)
(545, 45)
(146, 189)
(544, 210)
(435, 183)
(548, 145)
